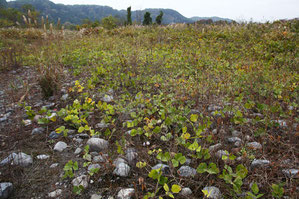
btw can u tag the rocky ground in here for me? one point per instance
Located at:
(33, 157)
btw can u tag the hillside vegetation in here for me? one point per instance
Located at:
(182, 111)
(76, 13)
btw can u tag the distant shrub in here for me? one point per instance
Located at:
(109, 22)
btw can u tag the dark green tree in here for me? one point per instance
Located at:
(129, 16)
(159, 18)
(147, 20)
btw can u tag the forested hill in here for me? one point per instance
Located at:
(76, 13)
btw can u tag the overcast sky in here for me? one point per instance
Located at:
(258, 10)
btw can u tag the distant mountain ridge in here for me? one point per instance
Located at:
(76, 13)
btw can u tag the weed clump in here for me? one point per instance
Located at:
(49, 78)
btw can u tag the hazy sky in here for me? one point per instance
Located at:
(258, 10)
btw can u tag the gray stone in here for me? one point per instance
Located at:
(6, 189)
(54, 135)
(54, 165)
(186, 191)
(125, 193)
(131, 156)
(81, 135)
(97, 144)
(254, 145)
(99, 158)
(20, 159)
(42, 157)
(186, 171)
(291, 173)
(55, 194)
(107, 98)
(122, 170)
(39, 130)
(214, 192)
(101, 125)
(96, 196)
(118, 161)
(260, 163)
(236, 133)
(221, 153)
(78, 140)
(232, 140)
(188, 161)
(60, 146)
(215, 147)
(93, 166)
(214, 108)
(81, 180)
(78, 151)
(165, 168)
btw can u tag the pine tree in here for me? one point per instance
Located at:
(159, 18)
(147, 20)
(129, 17)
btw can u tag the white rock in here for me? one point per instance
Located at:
(101, 125)
(55, 193)
(96, 196)
(291, 173)
(27, 122)
(97, 144)
(53, 115)
(260, 163)
(60, 146)
(107, 98)
(64, 97)
(125, 193)
(186, 191)
(54, 165)
(5, 189)
(81, 180)
(42, 157)
(214, 192)
(122, 170)
(254, 145)
(186, 171)
(78, 151)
